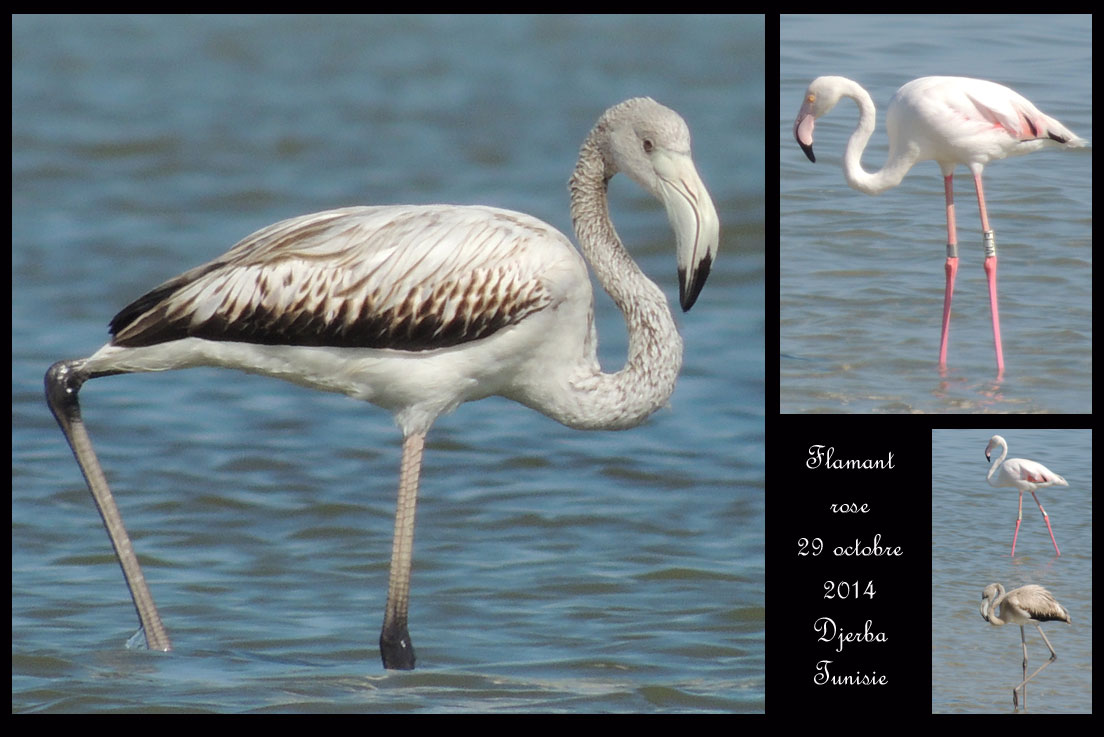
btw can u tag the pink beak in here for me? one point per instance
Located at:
(803, 130)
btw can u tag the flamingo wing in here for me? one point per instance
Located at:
(1035, 473)
(1035, 478)
(973, 120)
(371, 277)
(1016, 115)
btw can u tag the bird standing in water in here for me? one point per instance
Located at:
(418, 309)
(949, 120)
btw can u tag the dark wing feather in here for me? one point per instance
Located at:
(407, 278)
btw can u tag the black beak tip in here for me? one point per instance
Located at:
(688, 294)
(808, 151)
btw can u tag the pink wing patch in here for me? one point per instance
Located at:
(1024, 126)
(1028, 128)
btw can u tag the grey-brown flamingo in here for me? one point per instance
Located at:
(1029, 604)
(418, 309)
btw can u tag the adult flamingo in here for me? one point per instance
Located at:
(950, 120)
(1024, 475)
(1029, 604)
(418, 309)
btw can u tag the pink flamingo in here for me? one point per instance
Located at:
(949, 120)
(1024, 475)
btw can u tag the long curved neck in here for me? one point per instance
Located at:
(996, 464)
(625, 398)
(898, 163)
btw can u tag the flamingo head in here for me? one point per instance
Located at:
(651, 144)
(821, 97)
(994, 442)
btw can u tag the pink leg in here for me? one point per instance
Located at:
(951, 268)
(990, 269)
(1019, 519)
(1046, 518)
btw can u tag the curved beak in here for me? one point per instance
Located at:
(803, 128)
(693, 218)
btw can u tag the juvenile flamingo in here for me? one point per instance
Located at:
(1024, 475)
(420, 308)
(1029, 604)
(950, 120)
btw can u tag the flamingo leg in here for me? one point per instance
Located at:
(951, 267)
(63, 383)
(1019, 519)
(1046, 518)
(1023, 683)
(990, 269)
(395, 644)
(1053, 657)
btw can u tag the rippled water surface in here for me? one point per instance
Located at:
(861, 289)
(554, 570)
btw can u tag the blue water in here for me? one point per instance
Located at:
(974, 664)
(861, 287)
(554, 570)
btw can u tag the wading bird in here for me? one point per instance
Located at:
(949, 120)
(1024, 475)
(418, 309)
(1026, 605)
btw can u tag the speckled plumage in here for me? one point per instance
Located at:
(407, 278)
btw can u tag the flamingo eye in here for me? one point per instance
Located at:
(649, 145)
